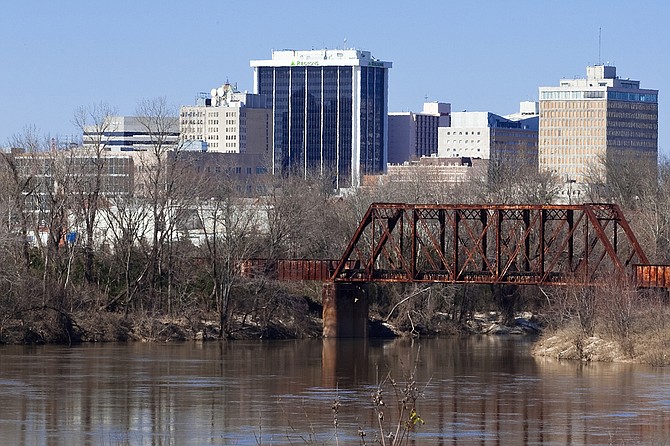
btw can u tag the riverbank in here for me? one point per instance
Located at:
(640, 337)
(45, 326)
(648, 345)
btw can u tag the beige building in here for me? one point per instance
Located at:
(229, 122)
(433, 170)
(585, 121)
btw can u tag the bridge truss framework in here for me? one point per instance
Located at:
(522, 244)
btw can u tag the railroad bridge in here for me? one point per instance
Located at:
(582, 244)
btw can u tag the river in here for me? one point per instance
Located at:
(474, 391)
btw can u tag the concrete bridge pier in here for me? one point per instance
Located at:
(345, 310)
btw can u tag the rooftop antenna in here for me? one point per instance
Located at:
(345, 44)
(600, 32)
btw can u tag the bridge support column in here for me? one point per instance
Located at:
(345, 310)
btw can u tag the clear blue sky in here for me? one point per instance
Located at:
(478, 55)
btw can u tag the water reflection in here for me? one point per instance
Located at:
(478, 390)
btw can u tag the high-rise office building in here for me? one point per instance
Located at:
(329, 112)
(413, 135)
(584, 122)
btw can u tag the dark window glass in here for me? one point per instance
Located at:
(281, 94)
(345, 124)
(313, 143)
(329, 132)
(297, 118)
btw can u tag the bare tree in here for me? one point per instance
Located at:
(54, 210)
(516, 182)
(159, 181)
(293, 209)
(14, 245)
(95, 121)
(625, 182)
(643, 191)
(228, 226)
(126, 219)
(21, 186)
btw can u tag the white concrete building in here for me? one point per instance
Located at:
(489, 136)
(129, 133)
(413, 135)
(527, 110)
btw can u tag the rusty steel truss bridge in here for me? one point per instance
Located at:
(582, 244)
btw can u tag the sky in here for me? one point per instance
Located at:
(57, 56)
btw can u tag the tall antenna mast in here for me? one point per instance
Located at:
(600, 32)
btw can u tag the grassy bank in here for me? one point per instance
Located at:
(611, 323)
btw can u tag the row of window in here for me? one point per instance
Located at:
(453, 149)
(571, 95)
(573, 113)
(192, 114)
(630, 116)
(572, 131)
(631, 134)
(572, 122)
(633, 143)
(237, 169)
(461, 132)
(460, 141)
(198, 113)
(641, 106)
(634, 125)
(632, 97)
(574, 142)
(611, 96)
(573, 150)
(590, 105)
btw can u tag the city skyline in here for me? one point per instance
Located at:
(478, 56)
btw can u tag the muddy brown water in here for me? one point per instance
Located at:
(475, 391)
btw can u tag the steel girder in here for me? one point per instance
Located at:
(522, 244)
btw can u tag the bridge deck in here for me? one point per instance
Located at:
(516, 244)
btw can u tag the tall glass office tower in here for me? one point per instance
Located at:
(330, 112)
